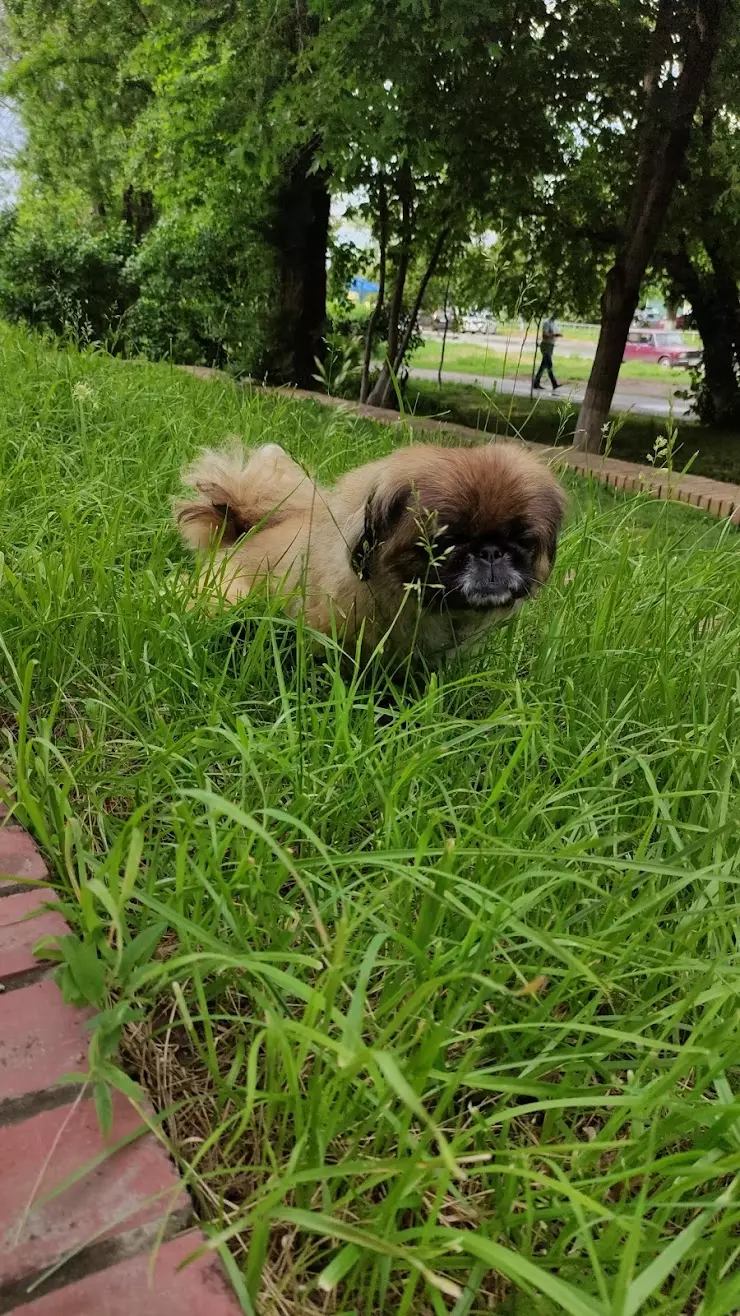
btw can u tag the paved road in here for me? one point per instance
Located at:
(625, 399)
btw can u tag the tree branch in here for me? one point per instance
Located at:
(380, 300)
(436, 253)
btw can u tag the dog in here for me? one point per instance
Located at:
(417, 554)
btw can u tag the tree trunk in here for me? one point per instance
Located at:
(138, 211)
(727, 294)
(444, 332)
(721, 402)
(716, 309)
(618, 310)
(382, 392)
(380, 300)
(299, 236)
(403, 346)
(668, 114)
(671, 313)
(384, 388)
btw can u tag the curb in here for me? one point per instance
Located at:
(713, 496)
(87, 1225)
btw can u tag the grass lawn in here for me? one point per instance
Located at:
(586, 333)
(710, 452)
(438, 985)
(466, 358)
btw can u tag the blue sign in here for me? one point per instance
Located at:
(363, 286)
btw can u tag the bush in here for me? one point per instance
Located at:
(58, 275)
(194, 289)
(204, 288)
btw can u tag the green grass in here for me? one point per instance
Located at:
(711, 452)
(465, 358)
(444, 1006)
(586, 333)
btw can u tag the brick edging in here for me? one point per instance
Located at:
(115, 1239)
(713, 496)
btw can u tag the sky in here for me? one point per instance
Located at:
(11, 138)
(349, 230)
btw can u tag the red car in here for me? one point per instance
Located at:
(658, 346)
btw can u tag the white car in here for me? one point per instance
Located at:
(439, 318)
(478, 323)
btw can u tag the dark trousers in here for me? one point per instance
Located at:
(546, 364)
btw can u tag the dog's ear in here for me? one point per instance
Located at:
(551, 506)
(547, 510)
(382, 513)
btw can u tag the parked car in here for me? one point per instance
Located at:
(660, 348)
(649, 318)
(478, 323)
(439, 317)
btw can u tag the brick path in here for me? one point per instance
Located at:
(713, 496)
(110, 1243)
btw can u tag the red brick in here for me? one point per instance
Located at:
(41, 1038)
(198, 1290)
(19, 856)
(19, 933)
(133, 1185)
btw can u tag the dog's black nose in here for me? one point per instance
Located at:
(491, 553)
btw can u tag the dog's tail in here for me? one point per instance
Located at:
(237, 491)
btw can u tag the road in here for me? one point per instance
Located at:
(640, 396)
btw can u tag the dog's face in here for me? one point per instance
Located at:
(469, 529)
(492, 570)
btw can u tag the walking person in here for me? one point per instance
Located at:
(550, 332)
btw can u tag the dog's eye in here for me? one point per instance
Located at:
(443, 545)
(444, 539)
(527, 540)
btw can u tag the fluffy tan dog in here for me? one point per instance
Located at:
(418, 553)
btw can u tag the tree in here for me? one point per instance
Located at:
(436, 115)
(681, 53)
(140, 114)
(699, 253)
(214, 134)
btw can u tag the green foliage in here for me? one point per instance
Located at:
(135, 121)
(203, 129)
(63, 276)
(346, 261)
(204, 292)
(339, 371)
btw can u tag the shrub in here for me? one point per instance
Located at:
(59, 275)
(204, 292)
